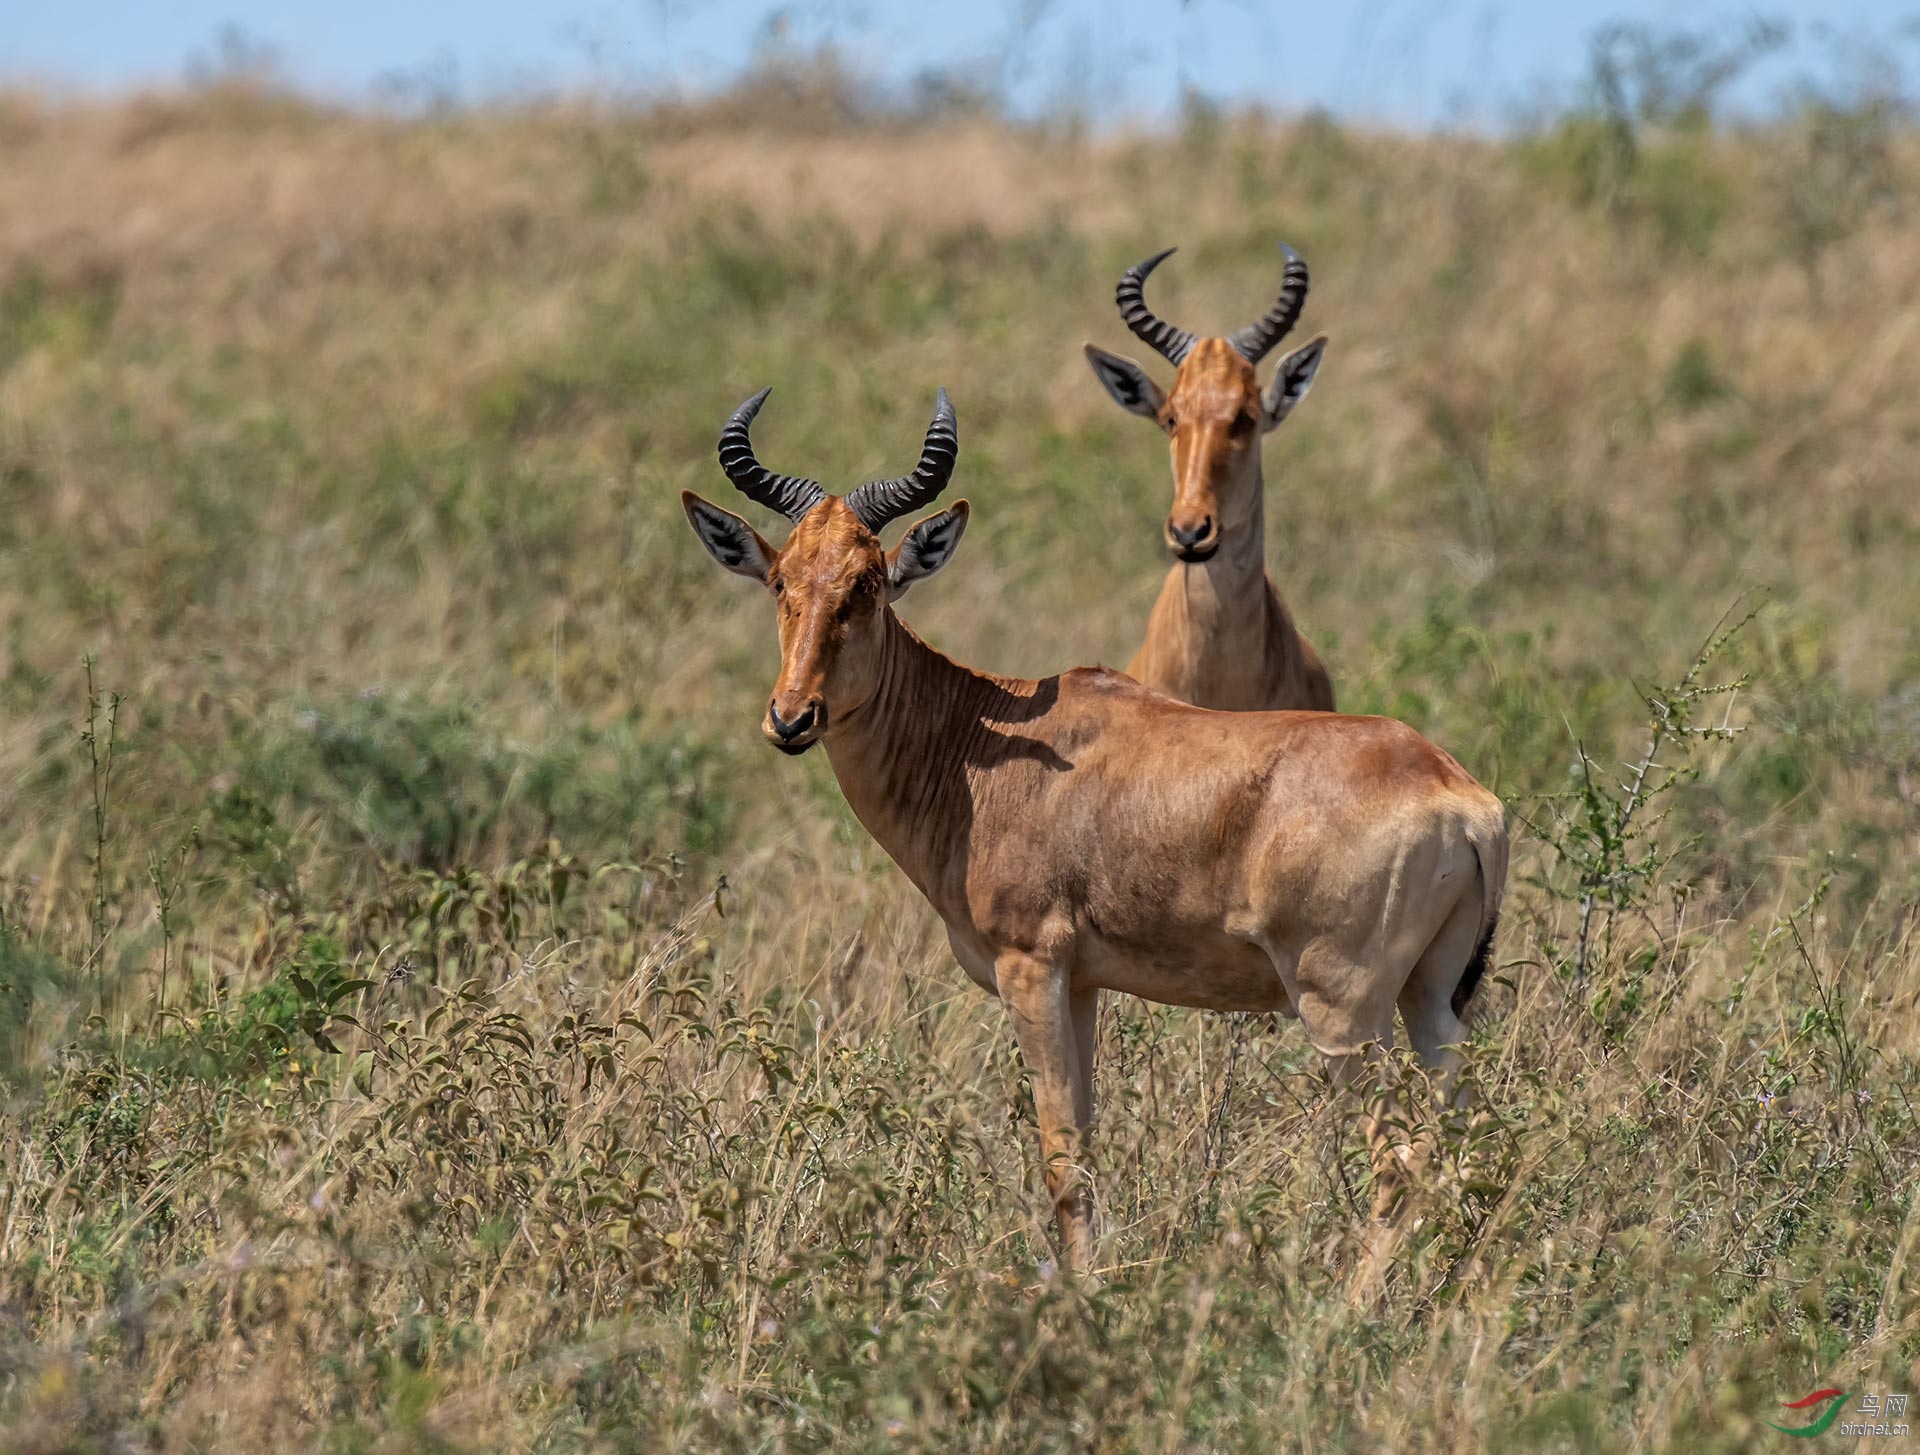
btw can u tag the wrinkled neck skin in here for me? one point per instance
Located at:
(1221, 636)
(908, 756)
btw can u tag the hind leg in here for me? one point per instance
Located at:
(1347, 1014)
(1346, 1006)
(1434, 1029)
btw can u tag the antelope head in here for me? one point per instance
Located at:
(1216, 411)
(832, 581)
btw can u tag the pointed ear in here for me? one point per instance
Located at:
(728, 539)
(1127, 382)
(926, 548)
(1291, 384)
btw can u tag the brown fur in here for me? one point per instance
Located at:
(1082, 833)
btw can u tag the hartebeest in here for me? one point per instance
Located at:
(1220, 634)
(1083, 833)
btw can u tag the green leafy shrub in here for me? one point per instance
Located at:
(431, 785)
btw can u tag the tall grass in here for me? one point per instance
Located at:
(446, 1028)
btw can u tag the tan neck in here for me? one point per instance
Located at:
(1221, 601)
(906, 757)
(1220, 635)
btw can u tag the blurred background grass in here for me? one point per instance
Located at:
(432, 1020)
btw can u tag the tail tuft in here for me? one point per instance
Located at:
(1476, 968)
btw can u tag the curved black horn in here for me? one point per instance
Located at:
(792, 496)
(1155, 333)
(880, 501)
(1256, 340)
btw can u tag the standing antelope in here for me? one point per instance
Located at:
(1220, 635)
(1082, 833)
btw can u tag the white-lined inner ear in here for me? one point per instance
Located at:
(1291, 383)
(1126, 382)
(729, 540)
(927, 547)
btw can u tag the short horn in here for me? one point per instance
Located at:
(880, 501)
(1256, 340)
(1155, 333)
(792, 496)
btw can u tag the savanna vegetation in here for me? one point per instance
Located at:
(430, 1018)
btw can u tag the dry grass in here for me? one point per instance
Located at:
(350, 447)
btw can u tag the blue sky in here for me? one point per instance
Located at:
(1408, 62)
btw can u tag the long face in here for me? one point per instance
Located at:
(831, 585)
(1214, 417)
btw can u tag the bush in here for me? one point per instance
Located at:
(431, 785)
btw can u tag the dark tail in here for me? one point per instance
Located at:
(1476, 969)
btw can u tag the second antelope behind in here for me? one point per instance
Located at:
(1220, 635)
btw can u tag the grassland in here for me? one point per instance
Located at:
(431, 1020)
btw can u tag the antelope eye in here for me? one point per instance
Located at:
(1242, 423)
(862, 592)
(779, 587)
(1169, 423)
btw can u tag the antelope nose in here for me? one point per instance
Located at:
(786, 730)
(1191, 540)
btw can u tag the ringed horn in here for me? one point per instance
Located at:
(1253, 343)
(877, 503)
